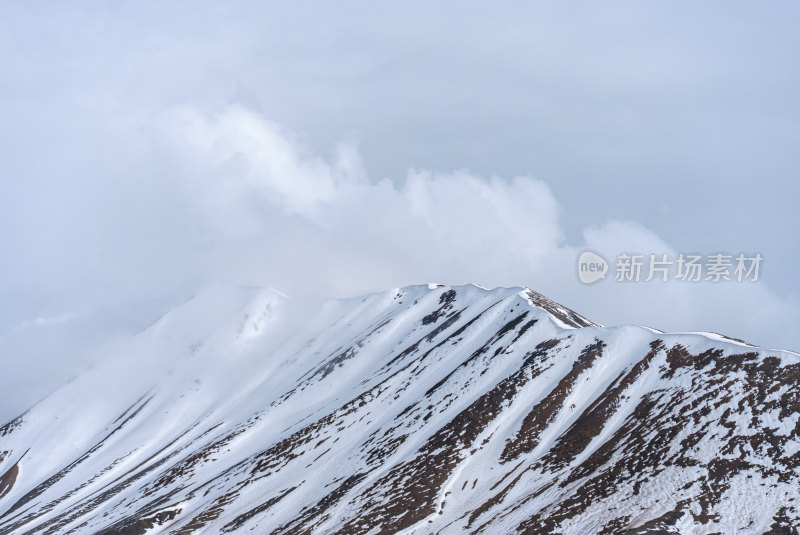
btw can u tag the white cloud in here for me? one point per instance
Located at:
(45, 321)
(322, 226)
(254, 186)
(237, 155)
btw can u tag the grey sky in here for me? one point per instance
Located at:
(127, 183)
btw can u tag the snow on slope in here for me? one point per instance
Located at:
(426, 409)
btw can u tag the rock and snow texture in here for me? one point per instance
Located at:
(422, 410)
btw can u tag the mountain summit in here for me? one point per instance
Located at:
(421, 410)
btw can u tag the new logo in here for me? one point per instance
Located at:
(591, 267)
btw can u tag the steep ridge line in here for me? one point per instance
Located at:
(421, 410)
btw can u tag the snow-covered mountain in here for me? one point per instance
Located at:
(421, 410)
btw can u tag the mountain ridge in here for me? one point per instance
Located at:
(423, 409)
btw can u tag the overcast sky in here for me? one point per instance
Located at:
(150, 148)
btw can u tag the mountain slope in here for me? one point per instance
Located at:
(421, 410)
